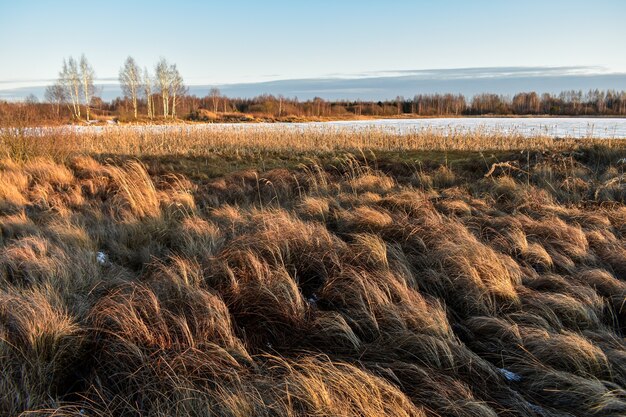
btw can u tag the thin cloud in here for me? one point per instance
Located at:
(378, 85)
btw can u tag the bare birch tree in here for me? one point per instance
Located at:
(130, 81)
(178, 88)
(147, 91)
(69, 79)
(86, 80)
(280, 105)
(164, 82)
(56, 95)
(215, 94)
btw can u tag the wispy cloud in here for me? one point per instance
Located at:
(384, 84)
(439, 74)
(428, 74)
(43, 82)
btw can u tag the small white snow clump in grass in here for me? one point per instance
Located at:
(510, 376)
(102, 258)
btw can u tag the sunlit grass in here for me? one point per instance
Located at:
(281, 274)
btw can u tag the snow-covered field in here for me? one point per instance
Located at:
(528, 127)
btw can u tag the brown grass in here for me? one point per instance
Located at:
(353, 286)
(245, 143)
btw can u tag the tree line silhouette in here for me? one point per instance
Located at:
(215, 106)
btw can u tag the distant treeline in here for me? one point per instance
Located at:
(568, 103)
(214, 106)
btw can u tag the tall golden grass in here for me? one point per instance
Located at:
(360, 287)
(206, 142)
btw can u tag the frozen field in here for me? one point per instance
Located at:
(527, 127)
(530, 127)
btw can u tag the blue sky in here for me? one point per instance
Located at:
(244, 41)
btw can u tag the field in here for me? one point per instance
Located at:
(317, 274)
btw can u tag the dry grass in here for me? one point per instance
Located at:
(353, 287)
(198, 142)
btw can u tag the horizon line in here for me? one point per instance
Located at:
(441, 74)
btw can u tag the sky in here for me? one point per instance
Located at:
(220, 42)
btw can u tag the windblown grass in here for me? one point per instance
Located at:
(349, 286)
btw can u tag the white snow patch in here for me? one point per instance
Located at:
(554, 127)
(313, 299)
(102, 258)
(510, 376)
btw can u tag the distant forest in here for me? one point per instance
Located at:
(216, 107)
